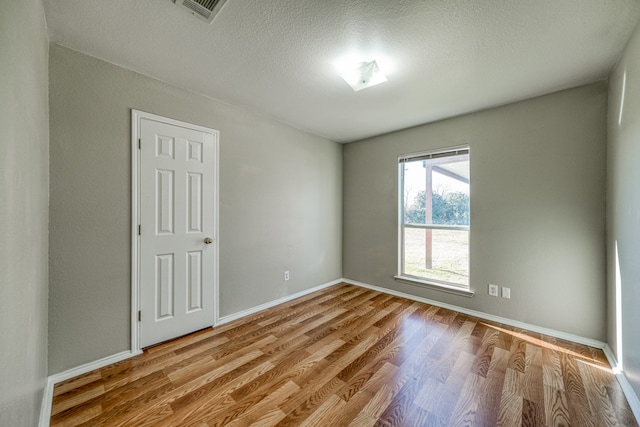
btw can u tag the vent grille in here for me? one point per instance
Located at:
(204, 9)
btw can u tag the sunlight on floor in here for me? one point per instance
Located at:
(551, 346)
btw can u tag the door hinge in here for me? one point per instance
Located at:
(139, 143)
(139, 315)
(139, 230)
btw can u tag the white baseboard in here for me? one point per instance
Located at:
(627, 389)
(45, 410)
(613, 361)
(630, 394)
(252, 310)
(479, 314)
(91, 366)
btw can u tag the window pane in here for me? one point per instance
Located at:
(447, 251)
(436, 191)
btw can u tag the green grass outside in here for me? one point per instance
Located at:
(450, 255)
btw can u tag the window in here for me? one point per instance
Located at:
(434, 218)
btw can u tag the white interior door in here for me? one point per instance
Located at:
(176, 236)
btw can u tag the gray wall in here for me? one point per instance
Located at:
(280, 203)
(623, 206)
(24, 194)
(537, 208)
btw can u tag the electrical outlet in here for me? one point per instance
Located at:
(493, 290)
(506, 292)
(286, 275)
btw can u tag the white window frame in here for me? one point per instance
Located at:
(415, 280)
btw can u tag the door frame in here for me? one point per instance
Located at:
(136, 117)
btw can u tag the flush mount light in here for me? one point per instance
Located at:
(364, 75)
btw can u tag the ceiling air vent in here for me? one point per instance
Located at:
(203, 9)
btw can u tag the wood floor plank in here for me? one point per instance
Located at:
(206, 380)
(518, 354)
(485, 352)
(192, 389)
(205, 337)
(350, 409)
(137, 391)
(402, 346)
(349, 356)
(513, 382)
(123, 408)
(551, 369)
(447, 360)
(272, 376)
(77, 383)
(300, 373)
(597, 395)
(556, 410)
(298, 410)
(489, 406)
(383, 396)
(275, 398)
(619, 402)
(440, 398)
(575, 392)
(71, 399)
(510, 413)
(325, 414)
(78, 417)
(269, 418)
(533, 390)
(531, 414)
(402, 404)
(211, 398)
(250, 352)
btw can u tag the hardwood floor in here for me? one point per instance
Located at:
(347, 356)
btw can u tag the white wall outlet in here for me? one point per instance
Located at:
(286, 275)
(493, 290)
(506, 292)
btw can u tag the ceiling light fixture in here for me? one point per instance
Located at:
(364, 75)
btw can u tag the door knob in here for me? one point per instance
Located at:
(208, 240)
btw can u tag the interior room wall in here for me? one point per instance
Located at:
(280, 203)
(537, 208)
(623, 210)
(24, 199)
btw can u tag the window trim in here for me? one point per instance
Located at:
(435, 285)
(448, 287)
(427, 155)
(437, 226)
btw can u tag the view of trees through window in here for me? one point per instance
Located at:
(447, 208)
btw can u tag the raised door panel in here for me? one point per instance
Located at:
(164, 289)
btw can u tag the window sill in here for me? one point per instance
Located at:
(435, 286)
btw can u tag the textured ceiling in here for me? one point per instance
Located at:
(280, 57)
